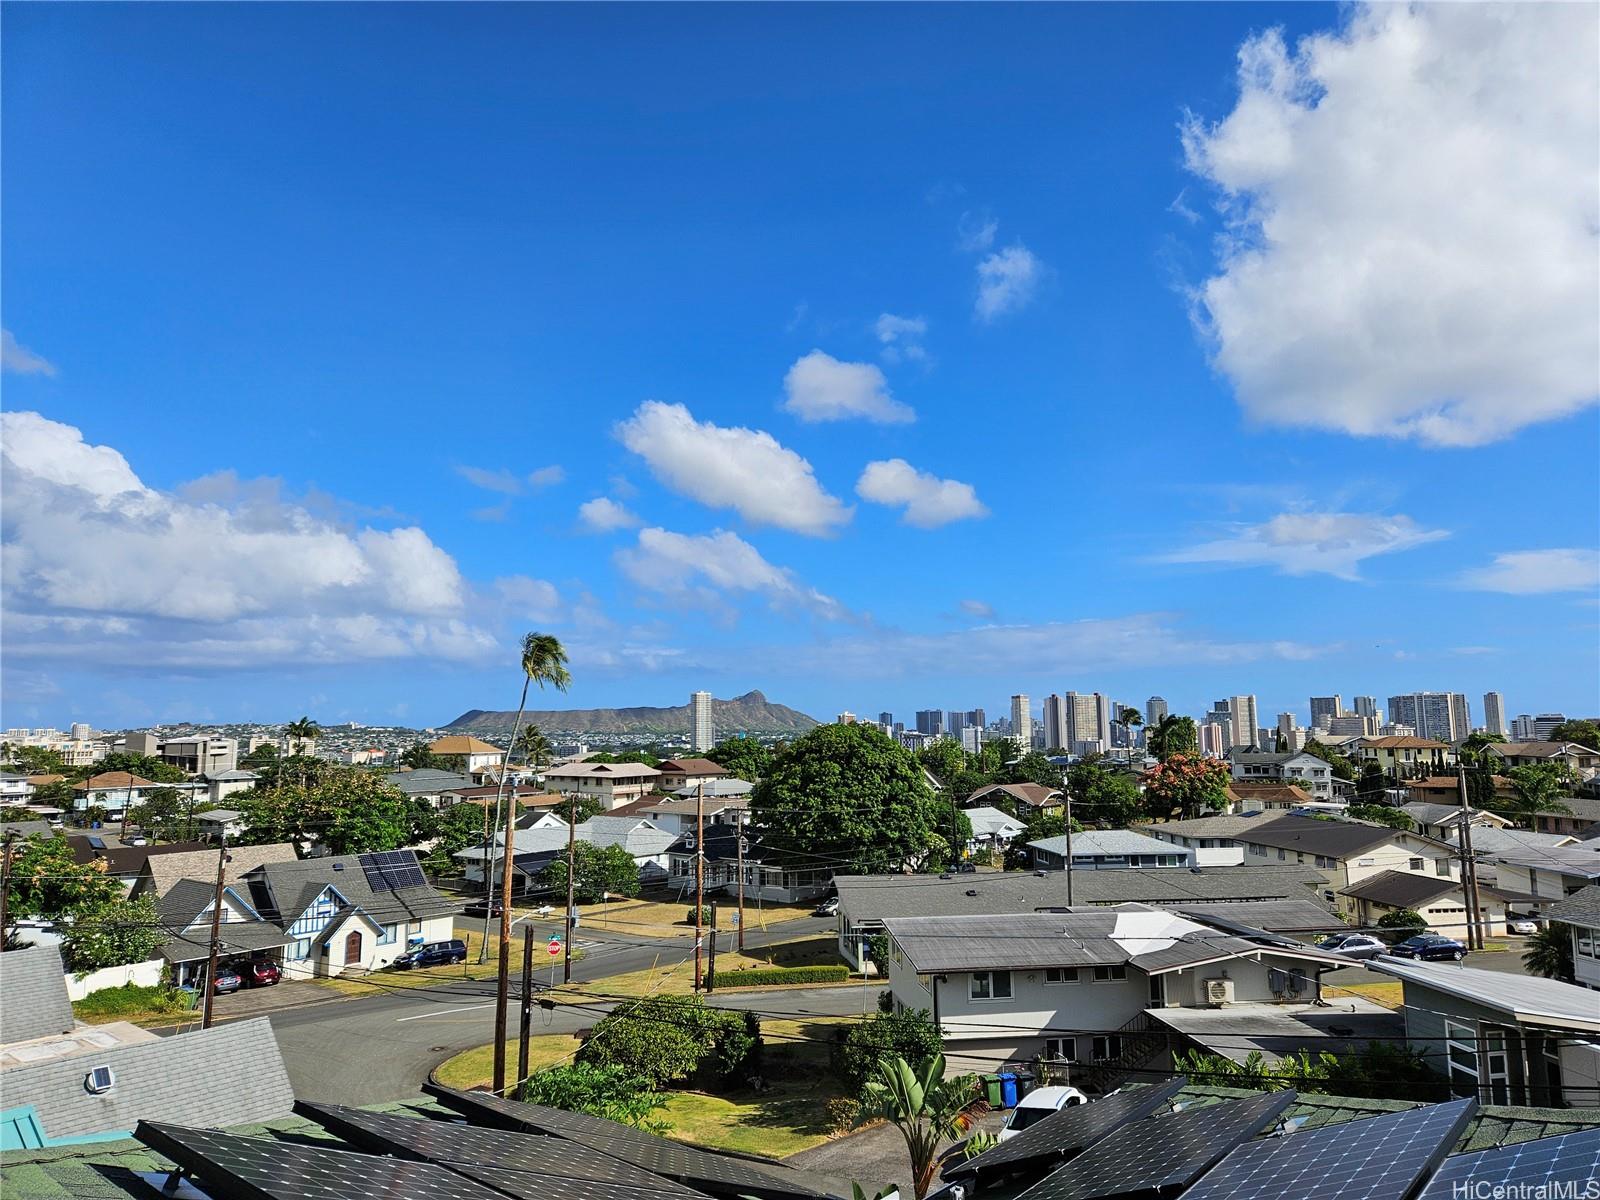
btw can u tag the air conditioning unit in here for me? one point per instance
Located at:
(1219, 991)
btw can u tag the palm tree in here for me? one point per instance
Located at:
(1172, 735)
(534, 747)
(1537, 787)
(544, 661)
(417, 756)
(297, 735)
(1549, 952)
(924, 1106)
(1132, 719)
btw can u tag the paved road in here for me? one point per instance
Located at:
(1506, 962)
(371, 1049)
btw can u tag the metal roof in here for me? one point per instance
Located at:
(1107, 842)
(1528, 998)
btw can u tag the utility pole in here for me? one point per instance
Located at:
(216, 933)
(738, 820)
(1068, 827)
(5, 885)
(527, 1002)
(488, 878)
(1469, 866)
(711, 965)
(502, 990)
(699, 875)
(572, 843)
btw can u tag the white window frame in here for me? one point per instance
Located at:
(1061, 1049)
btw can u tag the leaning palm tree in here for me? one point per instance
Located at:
(1549, 952)
(1131, 719)
(924, 1106)
(544, 661)
(1172, 735)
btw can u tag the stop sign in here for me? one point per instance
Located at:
(555, 947)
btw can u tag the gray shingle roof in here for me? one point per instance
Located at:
(291, 886)
(1580, 908)
(1401, 889)
(33, 996)
(1220, 826)
(1532, 1000)
(163, 871)
(1582, 860)
(426, 781)
(1112, 842)
(186, 900)
(1334, 839)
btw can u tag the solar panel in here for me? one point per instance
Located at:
(265, 1169)
(387, 870)
(1069, 1131)
(1161, 1152)
(719, 1174)
(1380, 1158)
(1570, 1159)
(459, 1146)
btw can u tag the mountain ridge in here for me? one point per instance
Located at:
(751, 712)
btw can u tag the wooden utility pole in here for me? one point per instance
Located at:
(502, 991)
(5, 885)
(1068, 828)
(738, 819)
(216, 934)
(526, 1026)
(572, 846)
(711, 962)
(1469, 866)
(488, 876)
(699, 876)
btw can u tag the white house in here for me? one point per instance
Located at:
(470, 754)
(1107, 849)
(215, 824)
(226, 783)
(1581, 911)
(615, 784)
(113, 791)
(992, 829)
(429, 784)
(1438, 900)
(1300, 770)
(1213, 841)
(1549, 874)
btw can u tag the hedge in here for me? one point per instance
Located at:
(767, 976)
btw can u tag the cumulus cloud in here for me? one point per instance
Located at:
(1411, 245)
(701, 569)
(901, 337)
(1303, 543)
(1531, 572)
(1007, 281)
(98, 564)
(17, 358)
(746, 470)
(529, 599)
(929, 501)
(603, 515)
(821, 388)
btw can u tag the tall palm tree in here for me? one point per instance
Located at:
(924, 1106)
(534, 746)
(1131, 718)
(297, 735)
(544, 661)
(1172, 735)
(1549, 952)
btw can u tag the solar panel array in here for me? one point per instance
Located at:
(1162, 1152)
(1380, 1158)
(1069, 1131)
(389, 870)
(1571, 1159)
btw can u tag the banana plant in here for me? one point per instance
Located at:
(924, 1106)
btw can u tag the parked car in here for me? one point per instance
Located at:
(1354, 945)
(434, 954)
(482, 908)
(827, 908)
(1430, 947)
(1522, 925)
(1037, 1105)
(226, 982)
(257, 972)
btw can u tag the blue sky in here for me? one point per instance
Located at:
(918, 355)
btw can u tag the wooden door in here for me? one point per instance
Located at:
(352, 949)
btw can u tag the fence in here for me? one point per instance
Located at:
(145, 974)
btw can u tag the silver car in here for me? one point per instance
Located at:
(1353, 945)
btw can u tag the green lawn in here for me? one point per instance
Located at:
(475, 1067)
(673, 974)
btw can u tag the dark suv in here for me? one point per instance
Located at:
(258, 972)
(1430, 947)
(434, 954)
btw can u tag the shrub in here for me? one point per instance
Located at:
(841, 1113)
(909, 1035)
(769, 976)
(660, 1039)
(705, 916)
(1397, 926)
(603, 1091)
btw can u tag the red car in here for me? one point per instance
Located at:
(258, 973)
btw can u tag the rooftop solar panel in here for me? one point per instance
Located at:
(1161, 1154)
(1571, 1159)
(387, 870)
(266, 1169)
(1380, 1158)
(526, 1186)
(1068, 1132)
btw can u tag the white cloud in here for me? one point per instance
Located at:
(901, 337)
(821, 388)
(1412, 226)
(701, 569)
(500, 480)
(975, 232)
(742, 469)
(602, 515)
(17, 358)
(546, 477)
(529, 599)
(977, 608)
(1303, 543)
(1007, 281)
(1531, 572)
(98, 566)
(929, 501)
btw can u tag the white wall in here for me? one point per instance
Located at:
(145, 974)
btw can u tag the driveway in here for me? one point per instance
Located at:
(258, 1002)
(876, 1154)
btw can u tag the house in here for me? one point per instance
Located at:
(645, 842)
(1023, 797)
(242, 932)
(14, 788)
(113, 791)
(200, 754)
(716, 789)
(1581, 813)
(682, 772)
(1078, 987)
(1275, 796)
(1549, 874)
(1305, 771)
(1442, 819)
(1508, 1039)
(532, 849)
(25, 829)
(164, 867)
(719, 869)
(1346, 852)
(1402, 757)
(1445, 790)
(428, 784)
(1211, 841)
(1582, 761)
(349, 912)
(219, 824)
(1440, 901)
(126, 859)
(1107, 849)
(992, 829)
(489, 794)
(67, 1085)
(467, 753)
(614, 784)
(1490, 840)
(680, 814)
(1581, 912)
(226, 783)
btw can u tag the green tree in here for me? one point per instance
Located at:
(346, 810)
(1188, 784)
(1372, 787)
(611, 1091)
(1585, 733)
(1549, 952)
(1034, 767)
(113, 933)
(1382, 814)
(944, 759)
(47, 884)
(1538, 788)
(597, 870)
(661, 1039)
(1105, 797)
(1378, 1071)
(418, 757)
(924, 1106)
(744, 757)
(909, 1035)
(1402, 923)
(456, 828)
(1343, 768)
(166, 815)
(145, 766)
(534, 747)
(35, 760)
(1172, 735)
(846, 795)
(1131, 719)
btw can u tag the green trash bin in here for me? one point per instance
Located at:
(991, 1090)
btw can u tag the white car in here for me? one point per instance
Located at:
(1522, 925)
(1037, 1105)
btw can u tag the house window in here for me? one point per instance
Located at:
(1586, 946)
(1417, 864)
(1064, 1050)
(1441, 866)
(1107, 1046)
(1282, 857)
(1461, 1049)
(991, 985)
(300, 950)
(389, 936)
(1108, 974)
(1324, 862)
(1061, 974)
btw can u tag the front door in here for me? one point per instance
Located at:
(352, 949)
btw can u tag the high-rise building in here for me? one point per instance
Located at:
(1088, 722)
(1246, 724)
(930, 721)
(1442, 716)
(1353, 724)
(1221, 715)
(845, 718)
(1022, 721)
(972, 739)
(1155, 711)
(81, 732)
(1367, 706)
(1324, 709)
(1055, 724)
(702, 731)
(1494, 713)
(1544, 725)
(886, 719)
(1213, 738)
(976, 717)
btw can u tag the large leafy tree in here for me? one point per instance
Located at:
(418, 757)
(347, 810)
(46, 883)
(1188, 784)
(596, 871)
(35, 760)
(662, 1039)
(846, 796)
(1538, 788)
(1343, 768)
(1585, 733)
(744, 757)
(909, 1034)
(1172, 735)
(1383, 814)
(145, 766)
(1034, 767)
(1101, 796)
(166, 815)
(925, 1107)
(113, 934)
